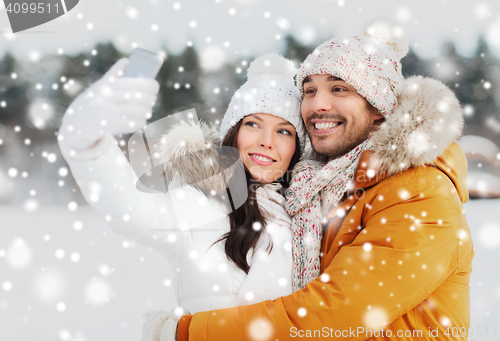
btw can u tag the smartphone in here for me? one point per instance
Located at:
(143, 63)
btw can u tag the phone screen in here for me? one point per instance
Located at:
(143, 64)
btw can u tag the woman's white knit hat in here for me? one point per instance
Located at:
(370, 63)
(270, 90)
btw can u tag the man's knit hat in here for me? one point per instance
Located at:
(370, 63)
(270, 90)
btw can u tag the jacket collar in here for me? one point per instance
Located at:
(422, 130)
(368, 173)
(452, 162)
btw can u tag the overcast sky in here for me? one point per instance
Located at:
(222, 29)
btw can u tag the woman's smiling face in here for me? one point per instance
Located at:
(266, 144)
(336, 116)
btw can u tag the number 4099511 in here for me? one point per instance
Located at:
(32, 7)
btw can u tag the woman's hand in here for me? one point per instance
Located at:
(159, 326)
(112, 105)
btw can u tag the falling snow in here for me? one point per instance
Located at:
(375, 318)
(260, 329)
(60, 260)
(302, 312)
(489, 235)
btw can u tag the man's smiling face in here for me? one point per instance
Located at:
(267, 145)
(337, 118)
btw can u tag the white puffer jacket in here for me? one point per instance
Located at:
(204, 277)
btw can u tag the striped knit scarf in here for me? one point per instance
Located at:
(315, 186)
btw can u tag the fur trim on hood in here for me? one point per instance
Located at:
(427, 119)
(191, 152)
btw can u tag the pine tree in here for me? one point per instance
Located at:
(179, 80)
(296, 51)
(219, 86)
(13, 92)
(413, 65)
(189, 95)
(106, 55)
(75, 69)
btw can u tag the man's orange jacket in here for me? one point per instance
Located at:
(396, 253)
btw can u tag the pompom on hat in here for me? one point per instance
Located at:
(371, 63)
(270, 90)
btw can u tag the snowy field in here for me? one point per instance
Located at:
(65, 275)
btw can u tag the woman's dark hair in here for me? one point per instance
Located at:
(242, 236)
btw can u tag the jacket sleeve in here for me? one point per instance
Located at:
(270, 273)
(404, 252)
(108, 183)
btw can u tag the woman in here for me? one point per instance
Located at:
(220, 258)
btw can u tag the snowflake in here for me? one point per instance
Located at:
(97, 292)
(489, 235)
(375, 318)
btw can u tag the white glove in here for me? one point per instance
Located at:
(111, 105)
(159, 326)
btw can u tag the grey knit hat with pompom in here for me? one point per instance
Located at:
(371, 63)
(270, 89)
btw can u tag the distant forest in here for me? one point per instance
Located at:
(34, 96)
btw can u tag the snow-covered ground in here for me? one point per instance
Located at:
(483, 217)
(74, 279)
(64, 275)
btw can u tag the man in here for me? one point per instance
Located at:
(381, 245)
